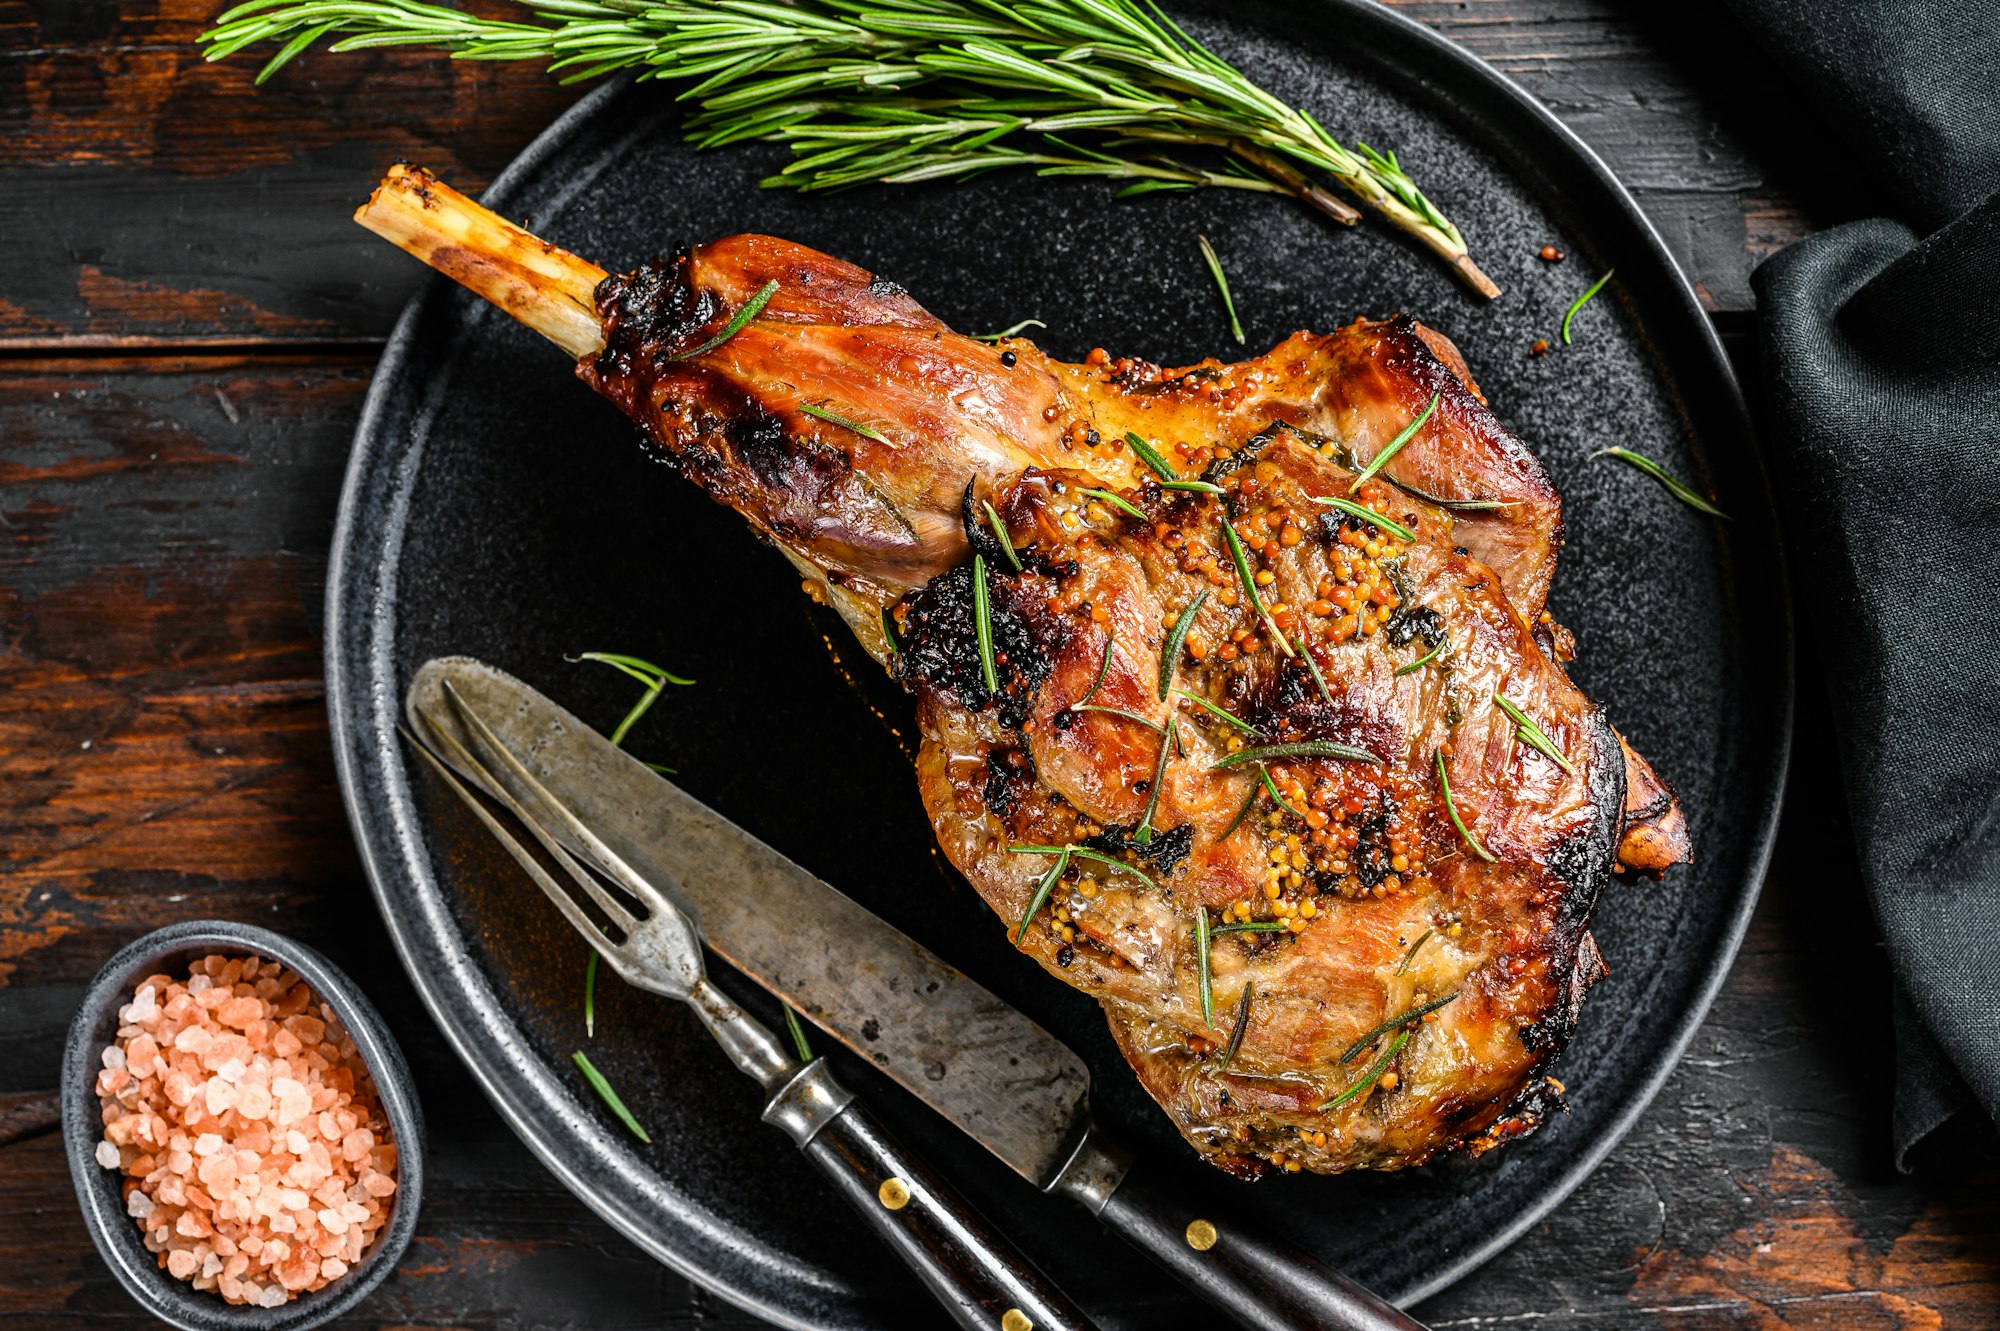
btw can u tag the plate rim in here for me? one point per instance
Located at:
(353, 747)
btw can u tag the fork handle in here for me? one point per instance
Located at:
(983, 1281)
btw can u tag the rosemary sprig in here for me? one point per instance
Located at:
(1366, 514)
(1242, 1024)
(1006, 333)
(1103, 669)
(1417, 1013)
(1203, 984)
(800, 1044)
(1000, 532)
(1582, 301)
(901, 91)
(1533, 734)
(1424, 660)
(1242, 562)
(1415, 948)
(1372, 1076)
(1170, 654)
(1143, 834)
(982, 625)
(1677, 488)
(1305, 748)
(1395, 446)
(835, 418)
(1149, 455)
(1116, 502)
(751, 309)
(653, 677)
(609, 1096)
(1471, 841)
(1221, 712)
(1222, 285)
(1151, 725)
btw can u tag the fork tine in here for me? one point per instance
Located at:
(620, 914)
(564, 901)
(613, 865)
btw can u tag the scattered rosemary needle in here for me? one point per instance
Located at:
(1305, 654)
(1117, 502)
(590, 996)
(1249, 803)
(1203, 985)
(1242, 562)
(1582, 301)
(1000, 531)
(1373, 1076)
(1197, 487)
(889, 631)
(1222, 285)
(1679, 489)
(982, 623)
(1395, 446)
(1250, 927)
(653, 677)
(1007, 332)
(1084, 852)
(1367, 514)
(1242, 1023)
(1151, 725)
(1471, 841)
(1170, 654)
(1415, 948)
(1425, 659)
(751, 309)
(1042, 890)
(1143, 834)
(1103, 669)
(834, 418)
(1264, 775)
(1305, 748)
(1149, 455)
(1369, 1037)
(1221, 712)
(609, 1096)
(1533, 734)
(799, 1042)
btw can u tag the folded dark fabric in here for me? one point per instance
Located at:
(1881, 352)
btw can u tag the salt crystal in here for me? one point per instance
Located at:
(138, 1204)
(333, 1268)
(112, 1057)
(181, 1263)
(231, 1071)
(272, 1297)
(198, 983)
(332, 1221)
(107, 1155)
(253, 1101)
(211, 1265)
(207, 1144)
(219, 1096)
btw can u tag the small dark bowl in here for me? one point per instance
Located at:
(169, 951)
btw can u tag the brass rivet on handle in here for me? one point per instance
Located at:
(894, 1193)
(1015, 1320)
(1200, 1235)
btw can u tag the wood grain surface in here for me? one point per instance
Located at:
(187, 325)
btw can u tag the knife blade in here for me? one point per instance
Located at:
(976, 1060)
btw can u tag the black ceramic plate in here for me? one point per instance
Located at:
(495, 507)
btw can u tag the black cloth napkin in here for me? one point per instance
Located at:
(1881, 353)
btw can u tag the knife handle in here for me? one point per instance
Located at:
(983, 1281)
(1261, 1282)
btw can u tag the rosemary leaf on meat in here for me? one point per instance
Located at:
(1084, 852)
(1471, 841)
(1533, 734)
(1366, 514)
(1305, 654)
(1196, 487)
(1395, 446)
(1242, 562)
(1042, 888)
(751, 309)
(609, 1096)
(1676, 487)
(1170, 654)
(1242, 1023)
(1103, 669)
(982, 624)
(834, 418)
(1582, 301)
(1221, 284)
(1221, 712)
(889, 631)
(1415, 948)
(800, 1044)
(1151, 725)
(1251, 927)
(1305, 748)
(1117, 502)
(1417, 1013)
(1149, 455)
(1424, 660)
(1249, 803)
(904, 91)
(1000, 532)
(1203, 984)
(1264, 775)
(1006, 333)
(1143, 834)
(1372, 1076)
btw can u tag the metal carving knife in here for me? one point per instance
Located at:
(998, 1076)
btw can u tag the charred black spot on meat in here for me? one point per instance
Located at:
(979, 534)
(1164, 852)
(1414, 621)
(1370, 856)
(1010, 774)
(648, 313)
(941, 642)
(882, 288)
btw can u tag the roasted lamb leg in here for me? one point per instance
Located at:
(1325, 819)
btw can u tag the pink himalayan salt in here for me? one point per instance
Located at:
(257, 1158)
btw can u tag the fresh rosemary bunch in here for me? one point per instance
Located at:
(900, 91)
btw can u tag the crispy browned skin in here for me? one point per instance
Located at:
(1370, 901)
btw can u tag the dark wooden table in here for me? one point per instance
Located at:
(187, 325)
